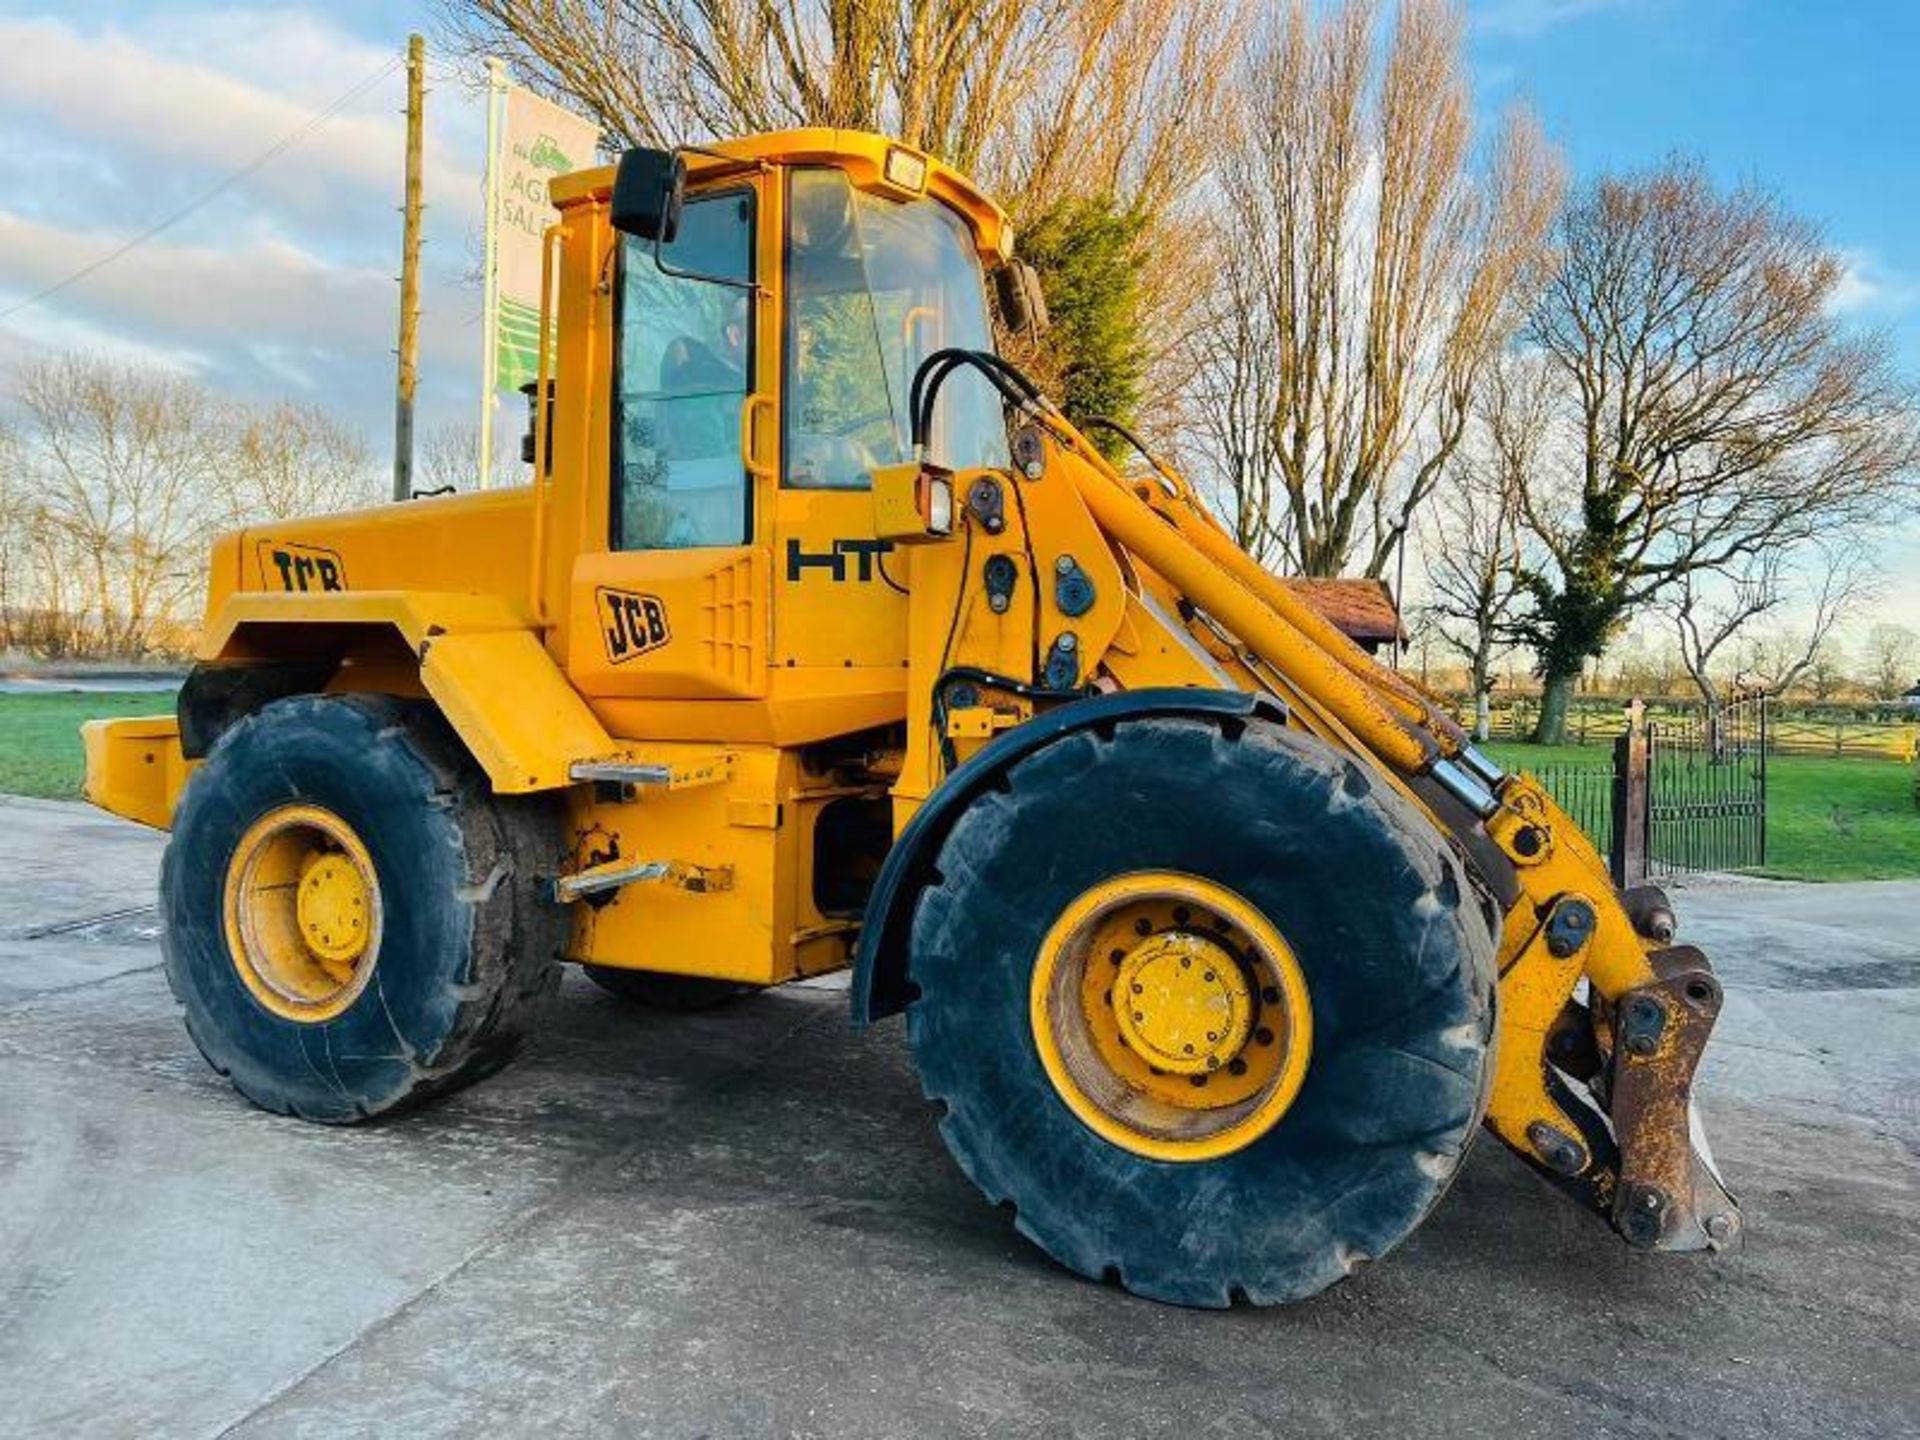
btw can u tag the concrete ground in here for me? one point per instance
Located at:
(744, 1223)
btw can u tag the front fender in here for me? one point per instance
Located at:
(880, 985)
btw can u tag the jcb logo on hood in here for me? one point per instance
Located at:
(631, 624)
(300, 567)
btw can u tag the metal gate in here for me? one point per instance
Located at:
(1706, 805)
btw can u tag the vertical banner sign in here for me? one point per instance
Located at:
(532, 141)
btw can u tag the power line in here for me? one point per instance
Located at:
(274, 151)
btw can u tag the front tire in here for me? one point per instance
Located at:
(1165, 884)
(352, 923)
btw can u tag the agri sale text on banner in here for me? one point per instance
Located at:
(538, 140)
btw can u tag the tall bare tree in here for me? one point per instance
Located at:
(1473, 534)
(1037, 99)
(1045, 102)
(1716, 411)
(1373, 264)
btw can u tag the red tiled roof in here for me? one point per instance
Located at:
(1360, 609)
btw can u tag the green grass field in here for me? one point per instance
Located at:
(1826, 819)
(40, 737)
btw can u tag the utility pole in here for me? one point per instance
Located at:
(409, 375)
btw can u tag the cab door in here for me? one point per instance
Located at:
(675, 606)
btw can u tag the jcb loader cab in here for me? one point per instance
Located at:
(819, 638)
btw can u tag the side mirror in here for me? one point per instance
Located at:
(649, 189)
(1022, 305)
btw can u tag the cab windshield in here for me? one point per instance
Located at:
(875, 286)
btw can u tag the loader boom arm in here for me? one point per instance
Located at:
(1595, 1094)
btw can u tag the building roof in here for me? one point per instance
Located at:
(1362, 610)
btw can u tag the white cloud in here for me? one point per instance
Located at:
(262, 318)
(1870, 288)
(239, 82)
(284, 284)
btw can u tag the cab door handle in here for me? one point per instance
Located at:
(750, 435)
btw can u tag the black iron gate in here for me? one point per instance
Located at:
(1706, 789)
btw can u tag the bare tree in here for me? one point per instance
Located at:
(1373, 269)
(1715, 409)
(123, 458)
(1892, 658)
(1233, 396)
(1646, 664)
(1042, 101)
(1473, 532)
(1037, 99)
(1826, 674)
(291, 460)
(1714, 614)
(17, 512)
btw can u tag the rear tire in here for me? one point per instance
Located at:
(658, 991)
(464, 944)
(1397, 963)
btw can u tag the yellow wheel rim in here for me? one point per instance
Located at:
(1171, 1017)
(302, 911)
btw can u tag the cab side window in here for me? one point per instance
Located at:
(685, 370)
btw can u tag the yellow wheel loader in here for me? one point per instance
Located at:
(821, 638)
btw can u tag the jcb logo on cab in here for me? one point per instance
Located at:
(631, 624)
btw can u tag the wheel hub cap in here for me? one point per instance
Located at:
(302, 913)
(1170, 1015)
(332, 909)
(1182, 1003)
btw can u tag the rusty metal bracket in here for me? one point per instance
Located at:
(617, 873)
(1668, 1197)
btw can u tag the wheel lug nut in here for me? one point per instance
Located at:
(1143, 926)
(1236, 1067)
(1263, 1035)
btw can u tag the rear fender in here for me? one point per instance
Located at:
(477, 659)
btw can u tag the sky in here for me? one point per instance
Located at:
(113, 115)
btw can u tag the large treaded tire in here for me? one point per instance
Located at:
(469, 946)
(1398, 959)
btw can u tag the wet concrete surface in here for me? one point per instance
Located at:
(743, 1223)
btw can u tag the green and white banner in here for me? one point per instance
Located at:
(536, 141)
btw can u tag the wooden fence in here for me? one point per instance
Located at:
(1787, 733)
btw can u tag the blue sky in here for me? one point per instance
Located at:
(1817, 99)
(111, 114)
